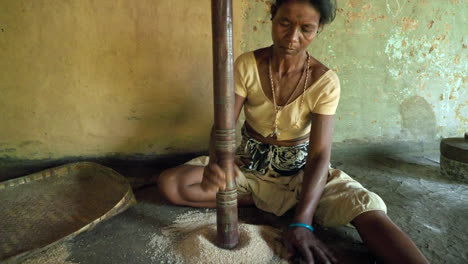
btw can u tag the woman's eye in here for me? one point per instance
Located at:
(307, 29)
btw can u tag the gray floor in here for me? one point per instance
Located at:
(432, 210)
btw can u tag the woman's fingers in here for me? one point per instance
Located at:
(307, 254)
(209, 185)
(330, 255)
(321, 256)
(214, 178)
(310, 248)
(219, 176)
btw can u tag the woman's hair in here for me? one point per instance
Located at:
(326, 8)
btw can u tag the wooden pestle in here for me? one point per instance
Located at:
(224, 123)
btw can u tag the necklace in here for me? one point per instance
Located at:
(276, 131)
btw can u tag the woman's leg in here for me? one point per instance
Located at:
(181, 186)
(386, 240)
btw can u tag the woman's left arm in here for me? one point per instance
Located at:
(299, 239)
(316, 168)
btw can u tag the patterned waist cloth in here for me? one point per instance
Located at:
(261, 157)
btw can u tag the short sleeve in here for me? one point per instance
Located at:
(239, 76)
(329, 96)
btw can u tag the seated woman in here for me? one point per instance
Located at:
(289, 100)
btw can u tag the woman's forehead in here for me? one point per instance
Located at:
(298, 10)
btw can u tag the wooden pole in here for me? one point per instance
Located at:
(224, 123)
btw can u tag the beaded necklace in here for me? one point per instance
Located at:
(276, 131)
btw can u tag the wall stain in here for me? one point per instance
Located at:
(441, 37)
(382, 17)
(355, 3)
(366, 7)
(461, 112)
(409, 24)
(430, 24)
(447, 27)
(363, 17)
(418, 118)
(352, 16)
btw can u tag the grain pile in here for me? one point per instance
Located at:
(191, 239)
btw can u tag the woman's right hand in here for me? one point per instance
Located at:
(214, 177)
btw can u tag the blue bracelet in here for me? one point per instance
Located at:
(311, 229)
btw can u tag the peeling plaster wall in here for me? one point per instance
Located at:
(96, 78)
(402, 65)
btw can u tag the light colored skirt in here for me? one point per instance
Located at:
(342, 200)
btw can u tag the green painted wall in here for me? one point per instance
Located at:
(402, 65)
(94, 78)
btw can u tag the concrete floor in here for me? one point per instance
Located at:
(432, 210)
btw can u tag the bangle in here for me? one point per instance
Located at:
(311, 228)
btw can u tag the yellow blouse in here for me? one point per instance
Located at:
(293, 122)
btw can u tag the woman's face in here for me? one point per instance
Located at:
(294, 26)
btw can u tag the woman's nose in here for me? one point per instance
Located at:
(293, 35)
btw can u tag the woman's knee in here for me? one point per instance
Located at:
(168, 186)
(370, 218)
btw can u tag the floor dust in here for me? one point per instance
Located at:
(54, 255)
(431, 209)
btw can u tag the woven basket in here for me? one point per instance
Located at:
(44, 208)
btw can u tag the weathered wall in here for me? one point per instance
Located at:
(402, 65)
(92, 78)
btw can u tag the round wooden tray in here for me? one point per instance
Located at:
(41, 209)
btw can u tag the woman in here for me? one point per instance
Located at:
(289, 99)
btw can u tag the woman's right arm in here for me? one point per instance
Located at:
(213, 175)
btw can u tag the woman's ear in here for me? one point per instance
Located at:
(273, 10)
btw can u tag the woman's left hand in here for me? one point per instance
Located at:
(303, 242)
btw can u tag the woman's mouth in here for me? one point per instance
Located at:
(287, 49)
